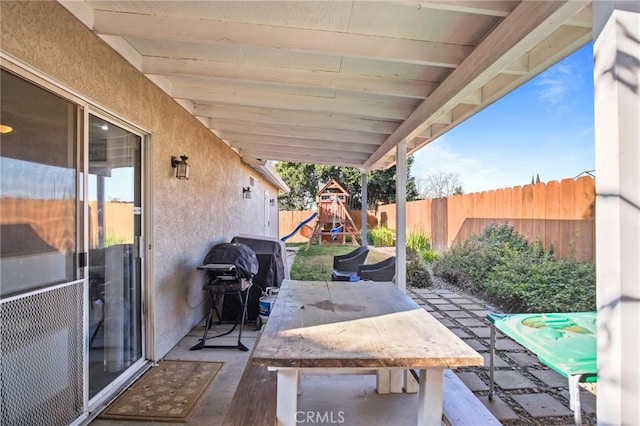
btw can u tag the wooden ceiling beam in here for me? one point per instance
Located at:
(399, 109)
(317, 159)
(253, 139)
(288, 76)
(476, 7)
(303, 152)
(298, 132)
(295, 118)
(174, 28)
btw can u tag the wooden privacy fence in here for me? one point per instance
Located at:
(558, 214)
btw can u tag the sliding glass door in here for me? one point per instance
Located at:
(115, 231)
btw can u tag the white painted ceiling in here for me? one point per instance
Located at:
(337, 82)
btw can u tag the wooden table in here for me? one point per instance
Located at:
(364, 325)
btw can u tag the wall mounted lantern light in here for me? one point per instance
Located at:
(181, 166)
(272, 202)
(246, 192)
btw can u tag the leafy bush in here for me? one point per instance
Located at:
(429, 256)
(517, 275)
(418, 274)
(527, 284)
(381, 236)
(419, 246)
(468, 264)
(417, 241)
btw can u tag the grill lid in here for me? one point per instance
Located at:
(237, 254)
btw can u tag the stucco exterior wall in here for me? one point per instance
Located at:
(189, 216)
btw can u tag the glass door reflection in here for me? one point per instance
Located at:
(115, 223)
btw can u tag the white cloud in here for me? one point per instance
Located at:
(555, 83)
(441, 156)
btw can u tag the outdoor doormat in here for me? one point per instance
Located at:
(169, 392)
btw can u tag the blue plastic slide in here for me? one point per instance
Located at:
(334, 231)
(300, 225)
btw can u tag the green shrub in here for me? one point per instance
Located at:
(428, 255)
(381, 236)
(517, 275)
(419, 246)
(418, 274)
(530, 284)
(417, 242)
(468, 264)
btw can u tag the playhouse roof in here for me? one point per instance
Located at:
(332, 184)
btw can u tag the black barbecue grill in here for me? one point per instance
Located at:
(230, 268)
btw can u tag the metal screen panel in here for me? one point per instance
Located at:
(41, 359)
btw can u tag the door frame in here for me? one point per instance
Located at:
(126, 376)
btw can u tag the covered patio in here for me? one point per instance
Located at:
(542, 391)
(360, 84)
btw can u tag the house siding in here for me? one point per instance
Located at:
(189, 216)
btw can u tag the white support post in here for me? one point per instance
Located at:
(383, 381)
(287, 397)
(430, 396)
(616, 31)
(401, 215)
(363, 227)
(396, 380)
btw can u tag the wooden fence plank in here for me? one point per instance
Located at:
(439, 219)
(502, 204)
(456, 215)
(538, 212)
(568, 213)
(585, 197)
(552, 215)
(526, 224)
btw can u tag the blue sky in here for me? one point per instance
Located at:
(544, 127)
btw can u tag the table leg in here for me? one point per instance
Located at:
(574, 398)
(492, 354)
(396, 380)
(430, 393)
(287, 397)
(410, 383)
(383, 381)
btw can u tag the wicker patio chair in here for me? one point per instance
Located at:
(381, 271)
(346, 265)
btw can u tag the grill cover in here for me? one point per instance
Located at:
(237, 254)
(270, 254)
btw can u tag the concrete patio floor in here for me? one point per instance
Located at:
(526, 392)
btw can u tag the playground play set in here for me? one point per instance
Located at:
(333, 223)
